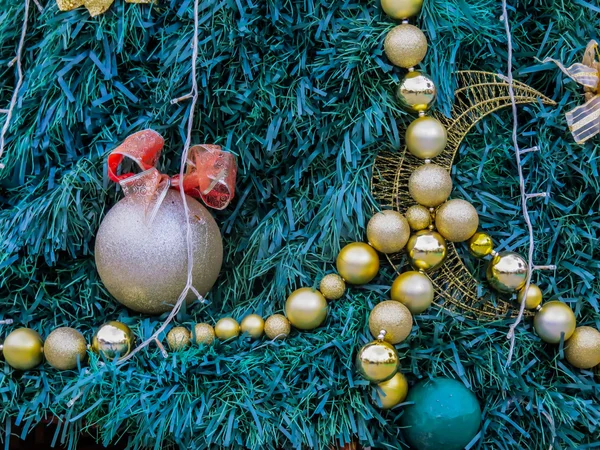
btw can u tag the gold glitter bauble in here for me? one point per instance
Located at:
(405, 46)
(94, 7)
(481, 245)
(582, 349)
(112, 339)
(357, 263)
(417, 92)
(143, 264)
(414, 290)
(388, 231)
(254, 325)
(426, 137)
(204, 333)
(418, 217)
(178, 338)
(430, 185)
(457, 220)
(277, 327)
(393, 391)
(306, 308)
(23, 349)
(227, 328)
(377, 361)
(332, 286)
(401, 9)
(426, 250)
(394, 318)
(553, 320)
(507, 272)
(65, 346)
(533, 299)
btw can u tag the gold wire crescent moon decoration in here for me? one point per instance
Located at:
(478, 94)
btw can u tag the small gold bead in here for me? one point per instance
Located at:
(277, 327)
(332, 286)
(227, 328)
(401, 9)
(254, 325)
(178, 338)
(204, 333)
(405, 45)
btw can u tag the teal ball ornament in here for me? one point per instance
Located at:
(444, 415)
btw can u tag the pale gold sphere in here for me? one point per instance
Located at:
(254, 325)
(393, 391)
(113, 339)
(357, 263)
(457, 220)
(426, 137)
(65, 346)
(553, 320)
(481, 245)
(332, 286)
(401, 9)
(204, 333)
(582, 349)
(388, 231)
(178, 338)
(394, 318)
(533, 298)
(377, 361)
(405, 46)
(414, 290)
(426, 250)
(23, 349)
(416, 92)
(430, 185)
(418, 217)
(306, 308)
(507, 272)
(227, 328)
(277, 327)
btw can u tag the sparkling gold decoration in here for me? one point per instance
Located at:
(23, 349)
(426, 250)
(277, 327)
(426, 138)
(332, 286)
(227, 328)
(401, 9)
(507, 272)
(377, 361)
(553, 320)
(418, 217)
(416, 92)
(582, 349)
(533, 299)
(204, 333)
(481, 245)
(394, 318)
(393, 391)
(457, 220)
(430, 185)
(178, 338)
(112, 339)
(65, 346)
(388, 231)
(306, 308)
(357, 263)
(414, 290)
(405, 45)
(94, 7)
(254, 325)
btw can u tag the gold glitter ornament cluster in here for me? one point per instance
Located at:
(94, 7)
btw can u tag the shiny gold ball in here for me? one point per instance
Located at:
(393, 391)
(306, 308)
(394, 318)
(277, 327)
(553, 320)
(426, 137)
(426, 250)
(178, 338)
(481, 245)
(414, 290)
(457, 220)
(112, 339)
(377, 361)
(533, 298)
(405, 46)
(227, 328)
(254, 325)
(430, 185)
(332, 286)
(418, 217)
(388, 231)
(65, 346)
(23, 349)
(582, 349)
(204, 333)
(417, 92)
(507, 272)
(401, 9)
(357, 263)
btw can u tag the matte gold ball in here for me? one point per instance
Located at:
(254, 325)
(388, 231)
(23, 349)
(426, 250)
(178, 338)
(112, 339)
(332, 286)
(306, 308)
(418, 217)
(507, 272)
(416, 92)
(227, 328)
(393, 391)
(426, 137)
(414, 290)
(377, 361)
(277, 327)
(65, 346)
(582, 349)
(394, 318)
(401, 9)
(430, 185)
(481, 245)
(533, 298)
(204, 333)
(553, 320)
(457, 220)
(405, 46)
(357, 263)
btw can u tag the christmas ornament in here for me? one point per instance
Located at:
(23, 349)
(388, 231)
(357, 263)
(481, 245)
(332, 286)
(430, 185)
(113, 339)
(227, 328)
(277, 327)
(457, 220)
(405, 46)
(533, 297)
(392, 317)
(94, 7)
(426, 250)
(414, 290)
(553, 321)
(507, 272)
(204, 333)
(401, 9)
(377, 361)
(178, 338)
(254, 325)
(418, 217)
(426, 138)
(417, 92)
(582, 349)
(64, 348)
(393, 391)
(306, 308)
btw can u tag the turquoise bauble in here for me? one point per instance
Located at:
(445, 415)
